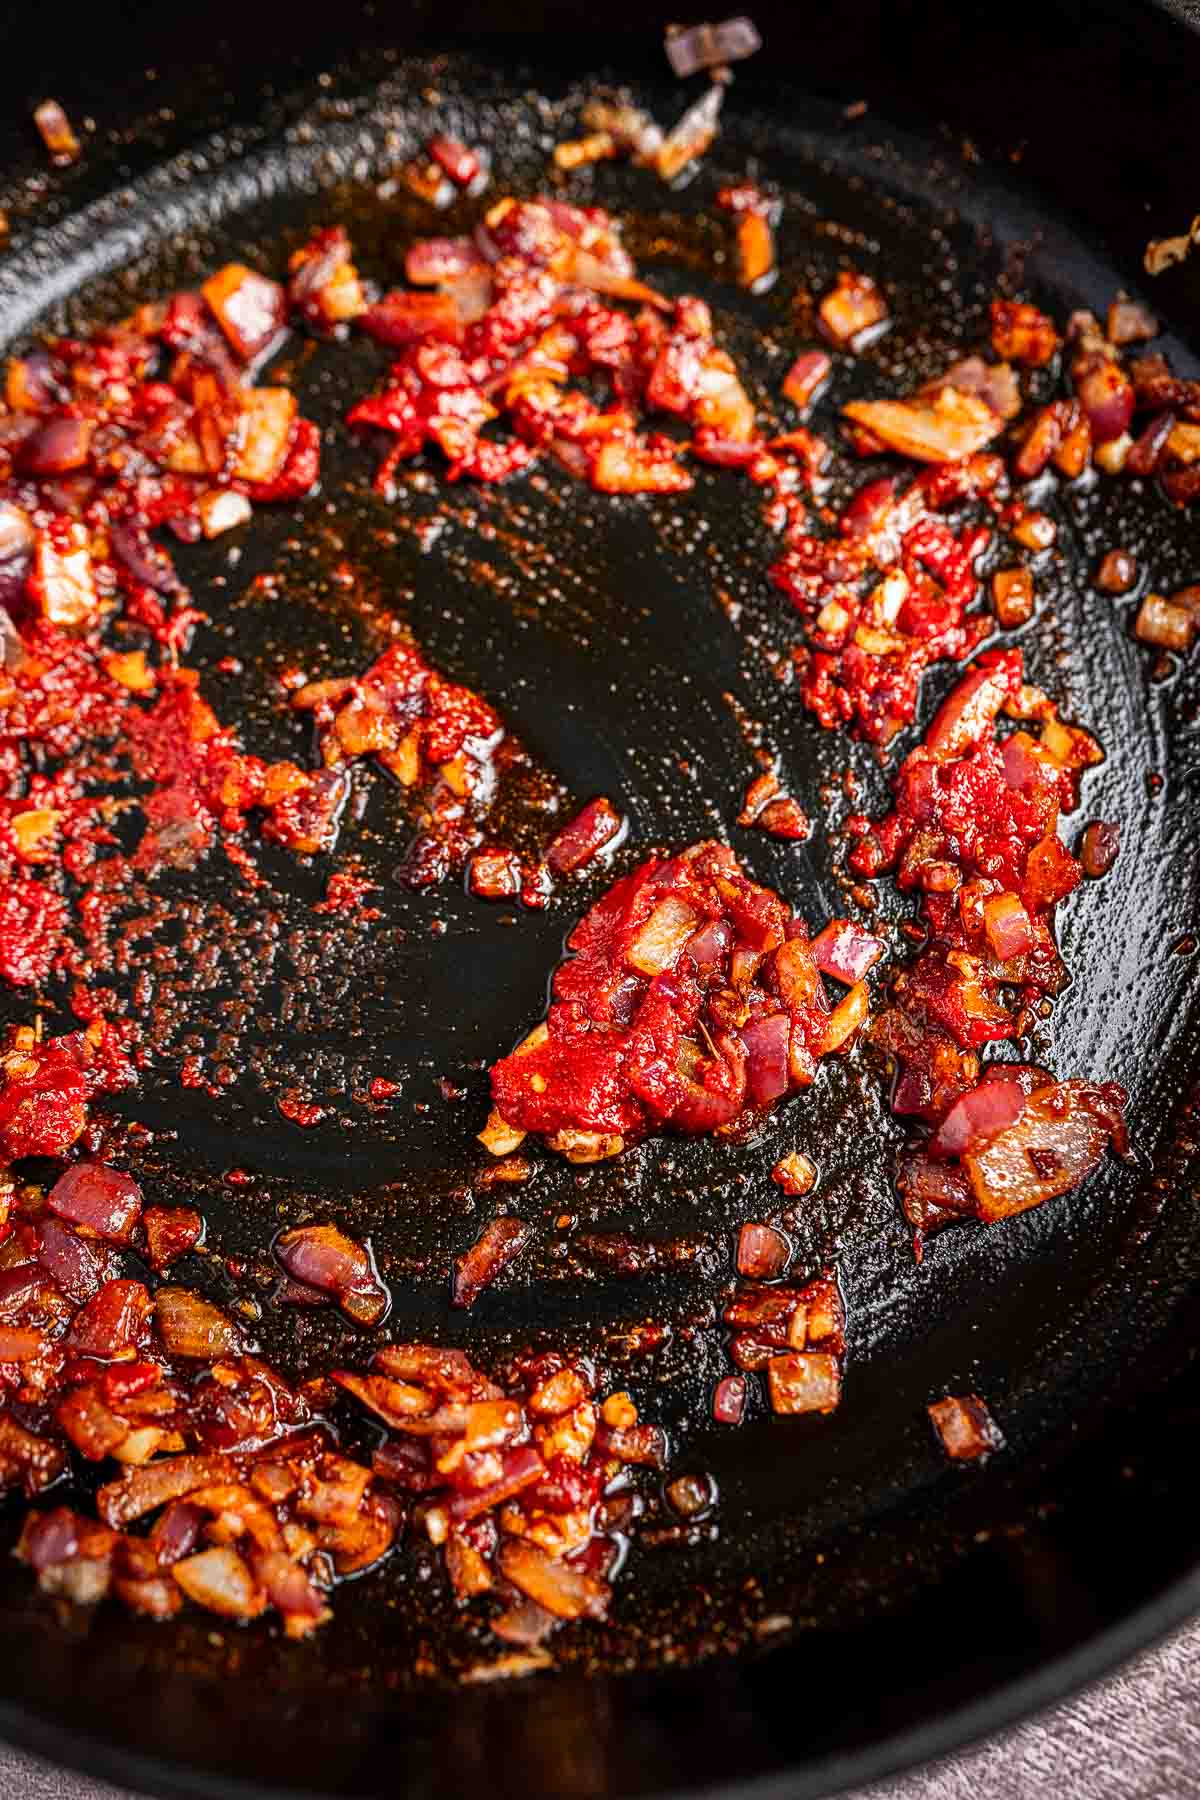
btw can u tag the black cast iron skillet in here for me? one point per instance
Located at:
(860, 1606)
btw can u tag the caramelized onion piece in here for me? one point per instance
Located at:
(589, 832)
(1012, 597)
(220, 1581)
(691, 48)
(845, 951)
(965, 1427)
(105, 1201)
(1162, 623)
(144, 1490)
(988, 1108)
(1118, 572)
(853, 312)
(498, 1244)
(763, 1253)
(1059, 1138)
(323, 1257)
(567, 1592)
(55, 128)
(499, 1137)
(804, 1381)
(249, 308)
(191, 1326)
(806, 377)
(661, 939)
(945, 428)
(729, 1400)
(691, 136)
(795, 1173)
(1099, 847)
(993, 383)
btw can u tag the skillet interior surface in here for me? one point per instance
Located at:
(861, 1583)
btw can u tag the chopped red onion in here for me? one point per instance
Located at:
(853, 312)
(710, 945)
(220, 1581)
(691, 1496)
(51, 1539)
(933, 1192)
(804, 1381)
(250, 308)
(583, 837)
(1029, 1077)
(845, 951)
(643, 1445)
(498, 1244)
(433, 260)
(471, 294)
(525, 1624)
(1012, 597)
(287, 1586)
(78, 1269)
(612, 277)
(191, 1326)
(967, 713)
(17, 1283)
(1105, 393)
(177, 1531)
(55, 128)
(965, 1427)
(464, 166)
(16, 533)
(1162, 252)
(58, 447)
(20, 1343)
(993, 383)
(633, 131)
(795, 1173)
(729, 1400)
(132, 547)
(402, 318)
(557, 1586)
(986, 1109)
(691, 136)
(694, 47)
(102, 1199)
(520, 1467)
(868, 507)
(1021, 767)
(113, 1323)
(766, 1042)
(329, 253)
(1008, 927)
(763, 1252)
(1162, 623)
(945, 429)
(1099, 847)
(1129, 322)
(323, 1257)
(1117, 573)
(1148, 449)
(1059, 1137)
(13, 655)
(143, 1490)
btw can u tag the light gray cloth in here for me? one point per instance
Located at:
(1135, 1736)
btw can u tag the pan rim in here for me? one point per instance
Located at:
(1012, 1702)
